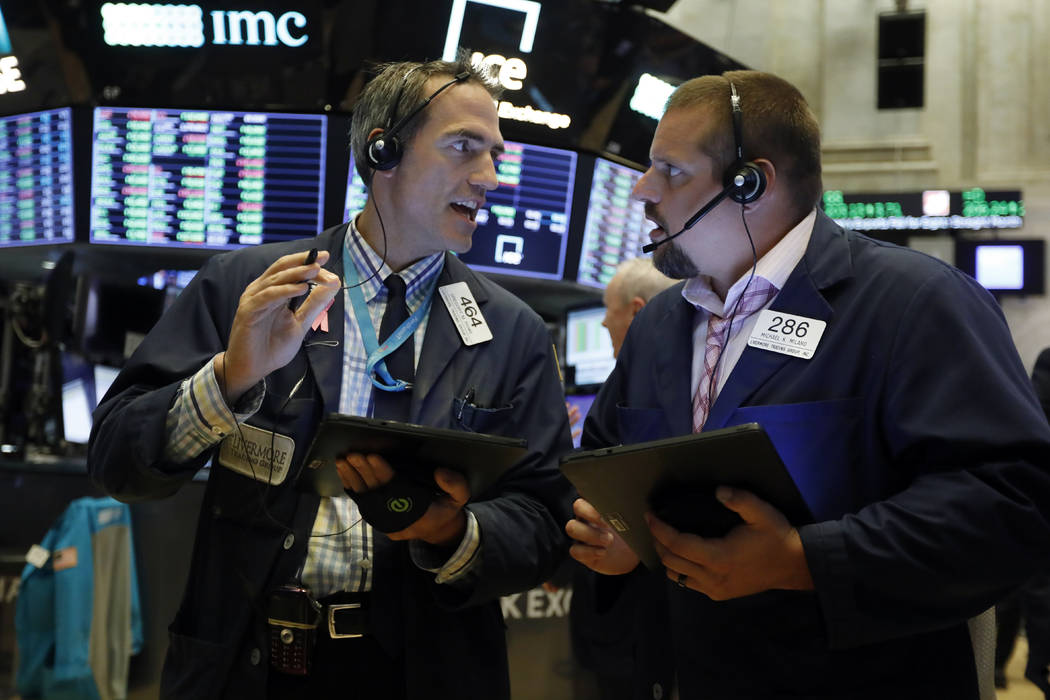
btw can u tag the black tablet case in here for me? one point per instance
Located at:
(412, 450)
(675, 479)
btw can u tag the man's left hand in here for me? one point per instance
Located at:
(763, 553)
(444, 521)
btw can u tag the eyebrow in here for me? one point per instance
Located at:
(476, 138)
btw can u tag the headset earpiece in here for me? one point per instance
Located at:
(744, 180)
(383, 152)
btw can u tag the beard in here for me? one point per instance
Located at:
(673, 262)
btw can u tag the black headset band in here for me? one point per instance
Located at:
(400, 124)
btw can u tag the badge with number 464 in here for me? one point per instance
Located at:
(465, 313)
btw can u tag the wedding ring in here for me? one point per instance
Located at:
(681, 580)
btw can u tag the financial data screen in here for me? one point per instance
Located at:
(36, 178)
(523, 226)
(356, 193)
(205, 179)
(616, 227)
(588, 348)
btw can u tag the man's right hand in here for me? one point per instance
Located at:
(597, 546)
(266, 334)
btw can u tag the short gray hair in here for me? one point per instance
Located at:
(405, 83)
(637, 277)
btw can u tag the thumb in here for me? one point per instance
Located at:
(750, 507)
(454, 484)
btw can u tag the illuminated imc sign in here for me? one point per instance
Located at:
(143, 24)
(931, 210)
(512, 71)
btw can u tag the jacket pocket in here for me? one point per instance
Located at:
(820, 444)
(641, 424)
(494, 421)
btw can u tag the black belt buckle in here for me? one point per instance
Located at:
(347, 620)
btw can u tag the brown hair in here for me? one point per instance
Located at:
(404, 82)
(776, 124)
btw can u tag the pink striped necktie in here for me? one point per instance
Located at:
(757, 294)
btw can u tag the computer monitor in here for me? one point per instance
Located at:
(36, 178)
(83, 386)
(356, 192)
(171, 282)
(1004, 266)
(523, 227)
(588, 348)
(111, 318)
(206, 179)
(615, 229)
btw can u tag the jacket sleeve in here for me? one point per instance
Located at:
(969, 452)
(129, 433)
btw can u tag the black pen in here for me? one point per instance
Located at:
(467, 398)
(311, 258)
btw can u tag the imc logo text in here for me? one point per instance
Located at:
(142, 24)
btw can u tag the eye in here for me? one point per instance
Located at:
(462, 146)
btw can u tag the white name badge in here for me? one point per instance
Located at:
(787, 334)
(259, 455)
(465, 313)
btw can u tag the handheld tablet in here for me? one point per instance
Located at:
(412, 450)
(675, 479)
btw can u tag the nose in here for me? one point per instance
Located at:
(484, 175)
(645, 190)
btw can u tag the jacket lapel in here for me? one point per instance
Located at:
(326, 358)
(441, 340)
(674, 361)
(826, 261)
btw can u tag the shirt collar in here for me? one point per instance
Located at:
(418, 276)
(775, 267)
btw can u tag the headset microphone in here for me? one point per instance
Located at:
(701, 213)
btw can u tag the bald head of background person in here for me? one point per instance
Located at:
(636, 282)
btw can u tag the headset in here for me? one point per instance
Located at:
(384, 150)
(743, 181)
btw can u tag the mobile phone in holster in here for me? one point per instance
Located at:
(293, 616)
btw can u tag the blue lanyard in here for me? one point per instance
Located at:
(376, 352)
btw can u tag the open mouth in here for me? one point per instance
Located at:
(466, 208)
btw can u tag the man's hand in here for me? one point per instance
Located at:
(598, 547)
(266, 334)
(762, 554)
(444, 521)
(574, 419)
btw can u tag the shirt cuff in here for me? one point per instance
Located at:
(200, 417)
(462, 561)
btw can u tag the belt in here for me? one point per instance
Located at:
(346, 615)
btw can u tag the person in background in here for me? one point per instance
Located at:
(635, 282)
(264, 342)
(888, 382)
(631, 287)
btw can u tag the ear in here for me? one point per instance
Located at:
(636, 305)
(770, 172)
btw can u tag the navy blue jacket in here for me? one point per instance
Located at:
(915, 437)
(453, 641)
